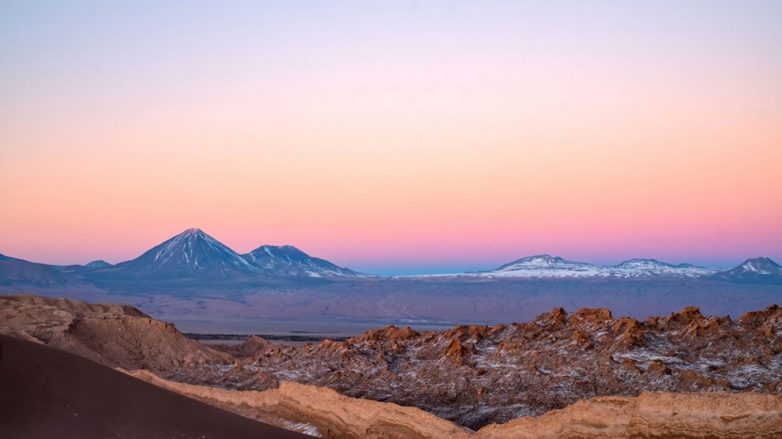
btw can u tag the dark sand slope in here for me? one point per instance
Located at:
(47, 393)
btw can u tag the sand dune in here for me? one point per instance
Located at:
(48, 393)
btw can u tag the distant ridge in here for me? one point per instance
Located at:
(100, 263)
(194, 255)
(653, 267)
(556, 267)
(14, 272)
(288, 260)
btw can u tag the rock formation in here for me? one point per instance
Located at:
(477, 375)
(115, 335)
(652, 414)
(517, 380)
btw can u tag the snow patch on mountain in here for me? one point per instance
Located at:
(555, 267)
(544, 266)
(191, 252)
(287, 260)
(753, 270)
(653, 268)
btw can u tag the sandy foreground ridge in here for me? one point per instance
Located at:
(652, 414)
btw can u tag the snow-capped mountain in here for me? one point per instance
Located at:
(287, 260)
(655, 268)
(192, 253)
(195, 254)
(544, 266)
(753, 270)
(555, 267)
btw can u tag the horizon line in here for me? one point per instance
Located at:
(436, 268)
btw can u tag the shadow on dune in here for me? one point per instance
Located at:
(45, 393)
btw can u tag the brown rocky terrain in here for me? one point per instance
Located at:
(114, 335)
(477, 375)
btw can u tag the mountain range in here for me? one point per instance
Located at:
(192, 255)
(195, 256)
(546, 266)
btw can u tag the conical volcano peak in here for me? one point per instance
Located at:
(192, 233)
(761, 265)
(761, 269)
(190, 253)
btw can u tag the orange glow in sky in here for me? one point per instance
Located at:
(422, 138)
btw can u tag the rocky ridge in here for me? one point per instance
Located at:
(114, 335)
(477, 375)
(658, 414)
(474, 376)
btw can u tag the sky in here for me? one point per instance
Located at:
(394, 137)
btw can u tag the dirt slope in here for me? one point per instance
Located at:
(115, 335)
(48, 393)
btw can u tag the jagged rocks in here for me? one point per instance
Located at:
(456, 352)
(475, 375)
(593, 316)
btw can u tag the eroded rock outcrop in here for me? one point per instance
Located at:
(653, 414)
(473, 375)
(115, 335)
(477, 375)
(333, 415)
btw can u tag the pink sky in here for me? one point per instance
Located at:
(364, 145)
